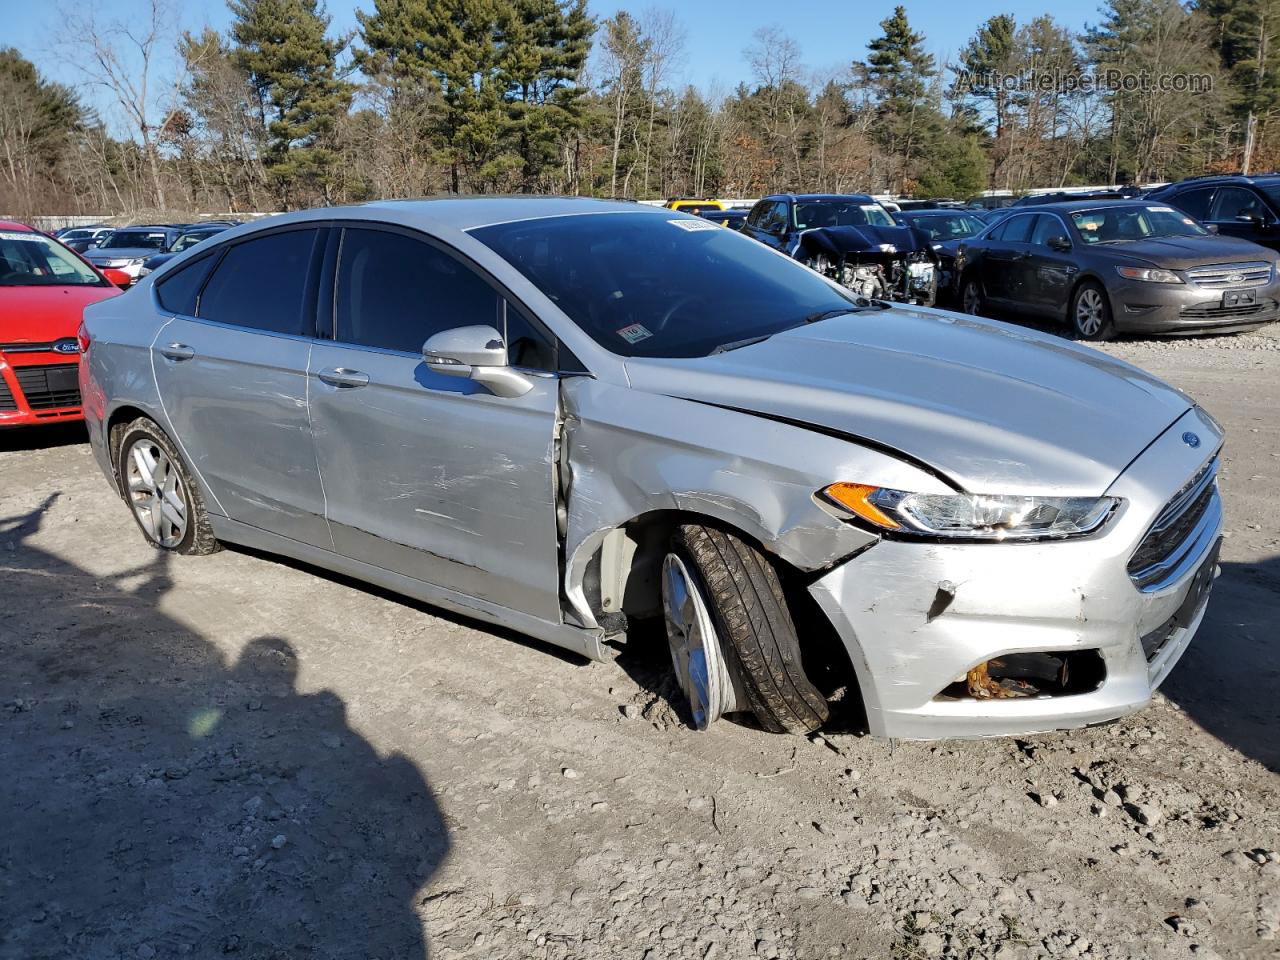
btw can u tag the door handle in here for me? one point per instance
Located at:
(177, 352)
(342, 377)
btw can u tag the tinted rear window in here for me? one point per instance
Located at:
(262, 283)
(177, 291)
(660, 286)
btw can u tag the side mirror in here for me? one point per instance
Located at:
(1059, 243)
(1211, 227)
(475, 353)
(1251, 218)
(118, 278)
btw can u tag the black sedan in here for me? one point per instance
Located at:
(1118, 266)
(945, 229)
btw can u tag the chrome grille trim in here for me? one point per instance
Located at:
(1218, 275)
(1197, 504)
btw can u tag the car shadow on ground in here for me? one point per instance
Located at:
(43, 437)
(1228, 681)
(159, 801)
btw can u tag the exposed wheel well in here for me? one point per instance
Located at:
(624, 578)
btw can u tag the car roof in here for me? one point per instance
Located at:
(861, 197)
(1076, 206)
(1213, 179)
(14, 226)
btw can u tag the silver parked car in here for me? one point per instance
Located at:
(566, 415)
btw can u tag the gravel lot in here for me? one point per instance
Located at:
(236, 756)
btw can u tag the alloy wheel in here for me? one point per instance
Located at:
(972, 298)
(695, 647)
(1090, 312)
(156, 493)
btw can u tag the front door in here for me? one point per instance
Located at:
(233, 381)
(1047, 274)
(1238, 212)
(430, 476)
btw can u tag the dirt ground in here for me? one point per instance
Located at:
(234, 756)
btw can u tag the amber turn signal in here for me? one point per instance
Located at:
(854, 498)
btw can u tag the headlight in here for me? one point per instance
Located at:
(1149, 274)
(971, 516)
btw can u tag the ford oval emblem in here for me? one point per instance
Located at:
(66, 346)
(1236, 278)
(1191, 440)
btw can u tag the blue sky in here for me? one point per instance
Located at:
(830, 32)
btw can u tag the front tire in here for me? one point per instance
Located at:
(733, 641)
(971, 297)
(1091, 313)
(164, 501)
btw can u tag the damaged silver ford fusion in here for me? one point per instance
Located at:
(622, 414)
(851, 239)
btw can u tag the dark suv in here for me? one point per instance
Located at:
(851, 239)
(1245, 207)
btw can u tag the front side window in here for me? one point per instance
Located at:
(262, 283)
(122, 239)
(1236, 203)
(1129, 223)
(33, 260)
(1047, 227)
(394, 292)
(645, 285)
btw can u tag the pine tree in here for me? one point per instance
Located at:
(898, 70)
(1246, 36)
(284, 48)
(989, 54)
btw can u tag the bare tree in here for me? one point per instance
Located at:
(665, 36)
(124, 58)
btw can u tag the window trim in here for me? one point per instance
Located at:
(327, 307)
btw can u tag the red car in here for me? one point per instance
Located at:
(44, 286)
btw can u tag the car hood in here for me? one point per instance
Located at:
(866, 237)
(43, 314)
(98, 255)
(994, 407)
(1180, 253)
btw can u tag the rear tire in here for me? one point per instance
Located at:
(1091, 313)
(165, 502)
(754, 632)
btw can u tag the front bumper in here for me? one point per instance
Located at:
(1185, 308)
(38, 388)
(909, 643)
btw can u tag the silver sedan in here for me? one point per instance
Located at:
(566, 416)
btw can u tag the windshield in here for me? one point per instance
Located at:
(949, 227)
(653, 286)
(1126, 224)
(32, 260)
(122, 239)
(840, 213)
(189, 240)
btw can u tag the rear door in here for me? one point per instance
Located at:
(231, 368)
(1047, 274)
(1001, 263)
(427, 475)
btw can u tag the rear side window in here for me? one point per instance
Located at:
(1195, 202)
(394, 292)
(262, 283)
(1014, 230)
(178, 291)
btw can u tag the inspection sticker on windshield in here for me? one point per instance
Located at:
(1161, 210)
(692, 225)
(637, 331)
(15, 235)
